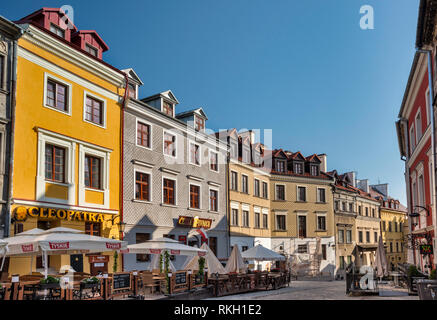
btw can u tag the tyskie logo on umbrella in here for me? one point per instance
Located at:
(201, 254)
(155, 251)
(27, 247)
(59, 245)
(175, 251)
(113, 245)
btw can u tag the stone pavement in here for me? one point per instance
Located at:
(319, 290)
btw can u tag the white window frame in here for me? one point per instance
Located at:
(276, 221)
(175, 191)
(285, 192)
(318, 196)
(104, 157)
(232, 217)
(412, 138)
(48, 76)
(326, 221)
(297, 193)
(104, 111)
(145, 171)
(209, 160)
(418, 125)
(209, 199)
(171, 103)
(189, 197)
(262, 189)
(190, 142)
(242, 189)
(236, 189)
(428, 118)
(70, 150)
(259, 187)
(248, 218)
(175, 143)
(150, 134)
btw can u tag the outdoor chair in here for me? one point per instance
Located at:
(149, 282)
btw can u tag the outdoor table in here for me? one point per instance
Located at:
(395, 276)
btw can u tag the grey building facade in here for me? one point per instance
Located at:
(174, 178)
(9, 33)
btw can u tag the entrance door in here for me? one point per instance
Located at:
(76, 262)
(98, 267)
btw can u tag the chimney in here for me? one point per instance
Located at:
(351, 176)
(363, 185)
(382, 188)
(324, 164)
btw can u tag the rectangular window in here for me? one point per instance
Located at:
(397, 247)
(169, 144)
(142, 186)
(194, 196)
(213, 244)
(360, 236)
(348, 236)
(55, 163)
(280, 192)
(234, 218)
(389, 226)
(200, 124)
(194, 153)
(265, 190)
(93, 228)
(391, 246)
(343, 205)
(245, 218)
(337, 205)
(376, 236)
(412, 140)
(342, 264)
(396, 226)
(321, 195)
(57, 30)
(265, 221)
(94, 110)
(213, 200)
(167, 108)
(257, 220)
(301, 194)
(169, 191)
(302, 248)
(256, 188)
(213, 161)
(351, 207)
(280, 222)
(418, 127)
(2, 71)
(367, 236)
(246, 157)
(131, 90)
(298, 168)
(57, 95)
(234, 150)
(143, 134)
(91, 50)
(340, 236)
(280, 165)
(321, 223)
(92, 172)
(373, 212)
(314, 170)
(360, 210)
(234, 181)
(302, 226)
(140, 238)
(383, 225)
(244, 184)
(367, 212)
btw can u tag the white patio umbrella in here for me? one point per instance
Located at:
(211, 262)
(154, 264)
(235, 262)
(58, 241)
(260, 253)
(159, 245)
(381, 260)
(3, 249)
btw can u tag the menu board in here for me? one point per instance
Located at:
(121, 281)
(181, 278)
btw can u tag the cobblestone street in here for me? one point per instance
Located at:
(318, 290)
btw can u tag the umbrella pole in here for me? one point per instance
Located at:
(3, 262)
(45, 264)
(31, 263)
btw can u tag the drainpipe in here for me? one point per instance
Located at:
(228, 202)
(12, 103)
(431, 106)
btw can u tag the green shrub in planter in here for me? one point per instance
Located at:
(48, 280)
(432, 275)
(90, 280)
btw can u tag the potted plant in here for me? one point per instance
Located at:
(49, 283)
(89, 283)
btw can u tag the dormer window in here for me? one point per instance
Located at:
(246, 158)
(167, 108)
(131, 90)
(257, 158)
(234, 150)
(91, 50)
(57, 30)
(314, 170)
(298, 168)
(199, 124)
(280, 165)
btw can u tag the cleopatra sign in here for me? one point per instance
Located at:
(194, 222)
(21, 214)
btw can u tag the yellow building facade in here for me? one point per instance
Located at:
(392, 229)
(66, 168)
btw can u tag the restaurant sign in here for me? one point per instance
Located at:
(426, 249)
(21, 214)
(194, 222)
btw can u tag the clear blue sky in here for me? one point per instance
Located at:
(302, 68)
